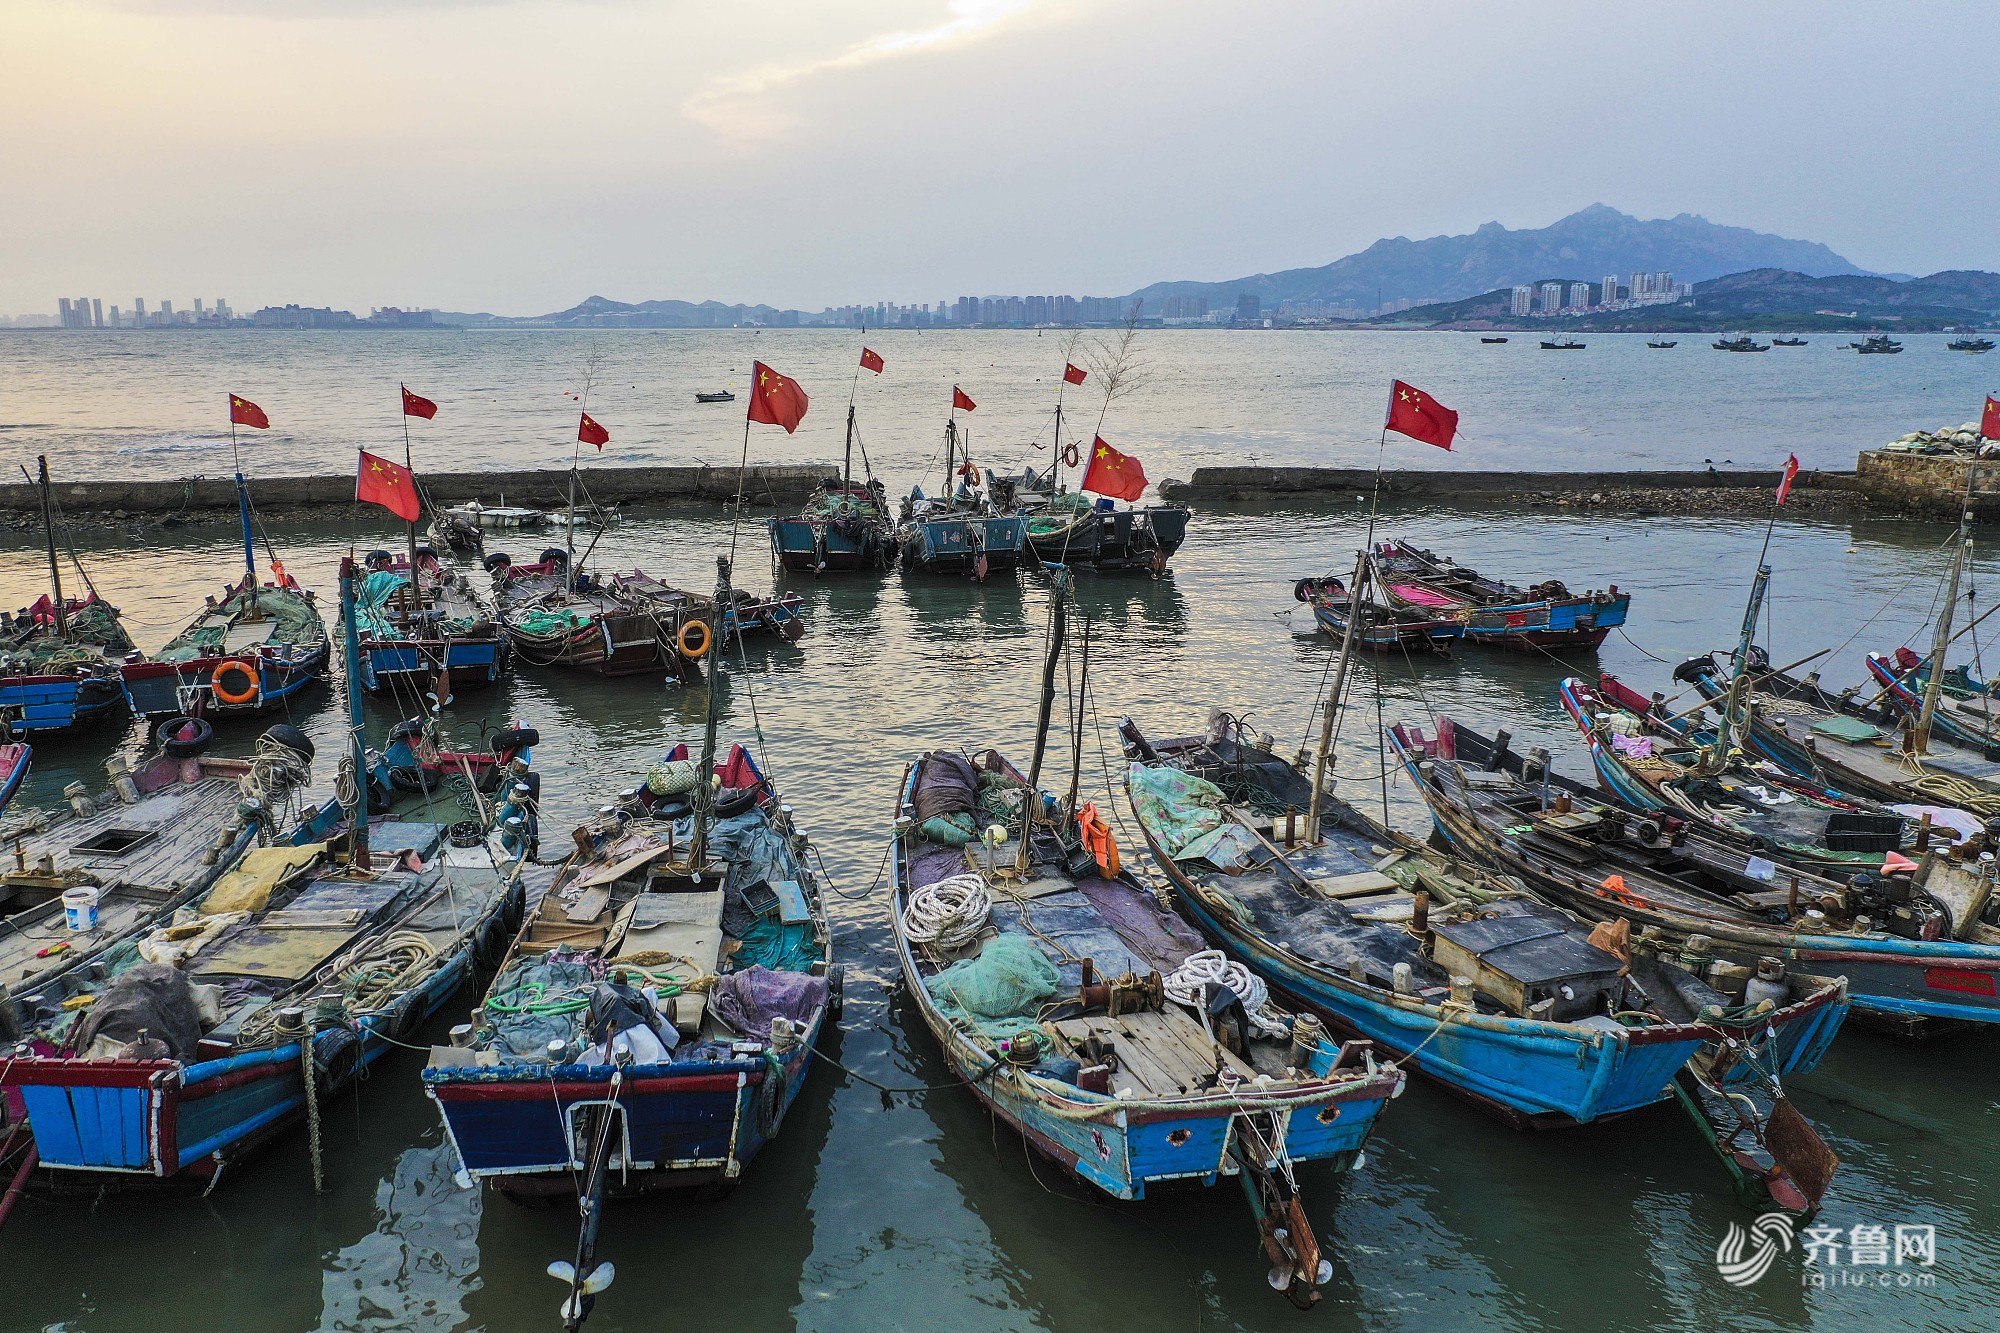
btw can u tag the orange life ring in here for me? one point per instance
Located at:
(700, 647)
(1070, 455)
(223, 694)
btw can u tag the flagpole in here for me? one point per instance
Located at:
(409, 465)
(736, 516)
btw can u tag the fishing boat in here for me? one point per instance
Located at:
(961, 531)
(1507, 1002)
(683, 618)
(1562, 344)
(1090, 1019)
(656, 1016)
(1648, 759)
(1969, 345)
(1497, 614)
(1336, 603)
(1877, 344)
(552, 619)
(1919, 948)
(843, 526)
(1788, 342)
(1493, 340)
(60, 658)
(1741, 343)
(425, 625)
(1662, 344)
(1085, 531)
(501, 517)
(721, 396)
(246, 653)
(456, 534)
(16, 757)
(283, 983)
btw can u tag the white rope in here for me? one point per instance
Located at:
(1213, 967)
(948, 914)
(275, 769)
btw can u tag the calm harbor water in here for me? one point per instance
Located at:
(916, 1213)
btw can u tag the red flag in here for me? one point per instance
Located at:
(414, 406)
(776, 400)
(959, 402)
(589, 432)
(1989, 425)
(388, 484)
(1074, 374)
(1414, 413)
(871, 361)
(243, 412)
(1113, 473)
(1791, 475)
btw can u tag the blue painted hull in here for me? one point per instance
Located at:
(48, 706)
(472, 663)
(810, 548)
(954, 545)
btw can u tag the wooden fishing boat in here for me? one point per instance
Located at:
(1918, 949)
(1788, 342)
(1508, 1002)
(1087, 1017)
(660, 1007)
(285, 982)
(683, 618)
(961, 532)
(1964, 713)
(1493, 340)
(501, 517)
(15, 759)
(1563, 344)
(1648, 760)
(554, 620)
(723, 396)
(1076, 530)
(1877, 344)
(1969, 345)
(60, 658)
(1662, 344)
(843, 527)
(1496, 614)
(421, 629)
(455, 534)
(246, 653)
(1379, 628)
(1741, 343)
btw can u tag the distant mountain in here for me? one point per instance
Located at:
(603, 312)
(1589, 244)
(1764, 298)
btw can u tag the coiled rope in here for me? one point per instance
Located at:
(1212, 967)
(949, 914)
(276, 770)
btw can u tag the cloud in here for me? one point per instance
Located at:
(741, 107)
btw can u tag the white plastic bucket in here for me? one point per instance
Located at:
(80, 908)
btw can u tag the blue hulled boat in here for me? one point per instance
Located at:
(961, 531)
(422, 624)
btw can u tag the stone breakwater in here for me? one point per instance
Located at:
(208, 499)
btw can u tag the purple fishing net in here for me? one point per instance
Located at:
(747, 1001)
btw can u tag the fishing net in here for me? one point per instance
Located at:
(377, 616)
(1062, 511)
(297, 621)
(949, 830)
(543, 621)
(538, 1000)
(747, 1001)
(771, 944)
(999, 993)
(1177, 807)
(94, 637)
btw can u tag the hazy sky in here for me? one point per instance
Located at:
(518, 155)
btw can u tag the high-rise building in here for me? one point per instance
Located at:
(114, 324)
(138, 312)
(96, 312)
(1663, 284)
(1248, 309)
(166, 312)
(1552, 296)
(1524, 299)
(1609, 289)
(221, 308)
(1642, 285)
(1579, 295)
(63, 313)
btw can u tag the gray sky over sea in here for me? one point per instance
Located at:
(518, 155)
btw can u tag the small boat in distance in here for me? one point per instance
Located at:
(1493, 340)
(1970, 345)
(497, 518)
(1742, 342)
(724, 396)
(1877, 344)
(1788, 342)
(1662, 343)
(1562, 344)
(1496, 613)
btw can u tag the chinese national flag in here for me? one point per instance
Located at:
(243, 412)
(1074, 374)
(1112, 473)
(589, 432)
(1414, 413)
(1791, 475)
(777, 400)
(1989, 424)
(871, 361)
(415, 406)
(388, 484)
(959, 402)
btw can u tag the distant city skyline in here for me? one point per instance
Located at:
(478, 155)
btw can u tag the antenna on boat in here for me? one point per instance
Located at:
(1361, 568)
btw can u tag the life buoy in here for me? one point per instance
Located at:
(1070, 455)
(699, 630)
(224, 671)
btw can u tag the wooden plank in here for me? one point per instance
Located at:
(589, 904)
